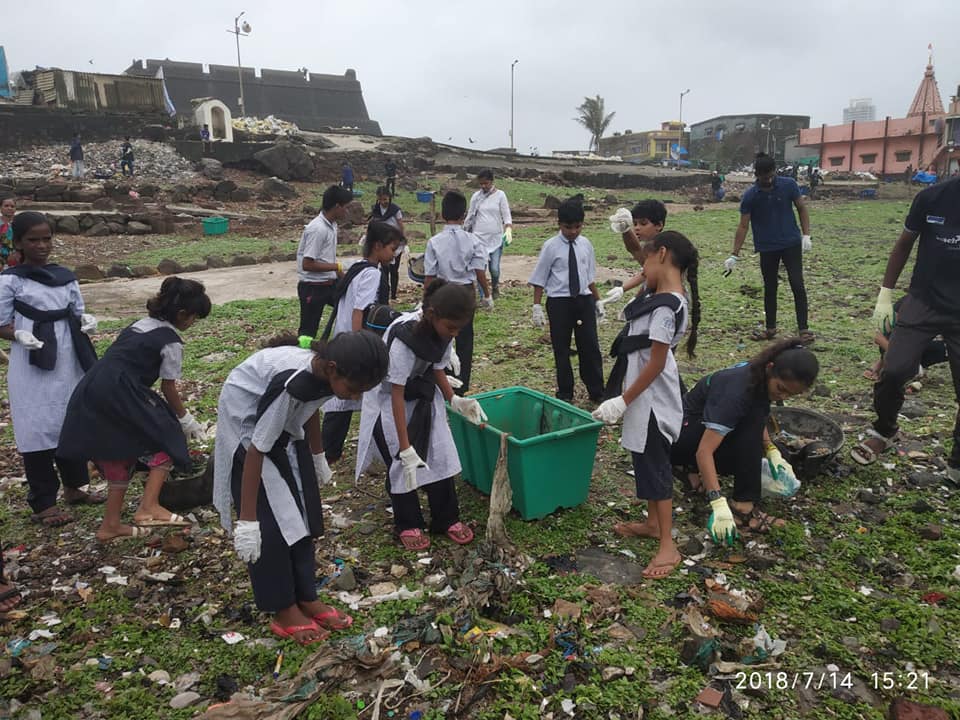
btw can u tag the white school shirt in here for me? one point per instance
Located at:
(487, 215)
(237, 424)
(319, 241)
(38, 398)
(662, 396)
(361, 291)
(552, 273)
(455, 255)
(171, 354)
(442, 459)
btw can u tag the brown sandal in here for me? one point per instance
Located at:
(52, 517)
(763, 335)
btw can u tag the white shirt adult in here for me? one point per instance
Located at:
(488, 215)
(319, 243)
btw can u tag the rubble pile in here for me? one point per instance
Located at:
(269, 125)
(152, 161)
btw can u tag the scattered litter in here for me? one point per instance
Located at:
(37, 634)
(17, 646)
(766, 644)
(269, 125)
(232, 638)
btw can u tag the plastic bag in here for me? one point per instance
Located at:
(784, 487)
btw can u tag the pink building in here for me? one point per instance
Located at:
(888, 146)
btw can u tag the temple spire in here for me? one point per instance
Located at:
(927, 100)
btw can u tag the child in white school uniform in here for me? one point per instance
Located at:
(363, 285)
(460, 258)
(269, 464)
(566, 271)
(645, 386)
(42, 314)
(405, 421)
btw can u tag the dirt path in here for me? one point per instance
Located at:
(118, 298)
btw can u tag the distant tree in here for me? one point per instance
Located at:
(592, 117)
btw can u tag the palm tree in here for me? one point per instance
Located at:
(593, 119)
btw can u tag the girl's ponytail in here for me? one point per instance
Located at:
(179, 295)
(685, 257)
(791, 360)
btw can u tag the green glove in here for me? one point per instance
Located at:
(720, 524)
(778, 466)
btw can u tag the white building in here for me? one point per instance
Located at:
(860, 110)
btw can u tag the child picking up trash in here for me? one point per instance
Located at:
(269, 464)
(405, 421)
(115, 419)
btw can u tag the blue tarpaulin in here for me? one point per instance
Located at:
(4, 75)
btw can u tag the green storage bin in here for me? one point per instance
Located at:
(215, 225)
(550, 450)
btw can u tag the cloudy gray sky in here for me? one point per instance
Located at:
(443, 68)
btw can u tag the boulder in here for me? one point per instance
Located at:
(241, 194)
(265, 259)
(238, 260)
(274, 187)
(84, 193)
(180, 194)
(356, 213)
(195, 267)
(86, 222)
(551, 202)
(68, 225)
(117, 228)
(148, 190)
(211, 169)
(88, 272)
(142, 271)
(50, 191)
(286, 161)
(138, 228)
(99, 229)
(169, 267)
(119, 271)
(408, 184)
(223, 189)
(215, 261)
(104, 203)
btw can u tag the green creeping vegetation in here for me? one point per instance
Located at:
(828, 589)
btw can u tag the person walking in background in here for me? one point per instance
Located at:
(908, 174)
(346, 178)
(384, 210)
(126, 157)
(76, 157)
(489, 218)
(205, 139)
(767, 208)
(390, 167)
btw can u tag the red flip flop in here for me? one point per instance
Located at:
(460, 533)
(333, 619)
(288, 633)
(414, 539)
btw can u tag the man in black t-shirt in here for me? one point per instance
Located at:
(931, 308)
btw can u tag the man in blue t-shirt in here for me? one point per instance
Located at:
(767, 208)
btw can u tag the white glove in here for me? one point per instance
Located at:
(27, 339)
(883, 315)
(411, 463)
(487, 303)
(507, 238)
(729, 264)
(455, 382)
(454, 363)
(88, 323)
(614, 294)
(601, 312)
(246, 540)
(322, 469)
(191, 428)
(621, 221)
(469, 408)
(806, 243)
(720, 524)
(538, 319)
(610, 411)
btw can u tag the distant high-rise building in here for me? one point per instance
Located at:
(861, 109)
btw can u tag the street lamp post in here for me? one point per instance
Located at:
(680, 139)
(239, 30)
(512, 144)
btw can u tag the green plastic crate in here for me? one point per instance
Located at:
(550, 450)
(215, 225)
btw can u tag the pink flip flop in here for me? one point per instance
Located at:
(333, 619)
(460, 533)
(414, 539)
(288, 633)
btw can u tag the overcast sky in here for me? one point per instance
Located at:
(442, 69)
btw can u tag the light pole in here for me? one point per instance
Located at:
(239, 30)
(512, 145)
(680, 140)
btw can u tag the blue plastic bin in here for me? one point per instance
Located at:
(424, 196)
